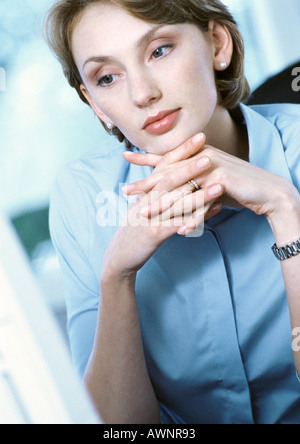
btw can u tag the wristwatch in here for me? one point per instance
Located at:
(288, 251)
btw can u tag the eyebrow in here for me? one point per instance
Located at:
(141, 42)
(96, 59)
(148, 36)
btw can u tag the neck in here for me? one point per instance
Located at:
(230, 137)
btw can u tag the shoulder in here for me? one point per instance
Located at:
(98, 168)
(80, 181)
(285, 117)
(282, 118)
(73, 199)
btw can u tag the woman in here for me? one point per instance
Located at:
(165, 324)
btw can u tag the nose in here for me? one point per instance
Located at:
(144, 89)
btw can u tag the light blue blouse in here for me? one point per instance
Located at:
(213, 309)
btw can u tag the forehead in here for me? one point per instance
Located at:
(105, 28)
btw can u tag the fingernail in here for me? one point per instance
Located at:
(128, 153)
(182, 231)
(215, 190)
(203, 162)
(216, 207)
(127, 190)
(198, 138)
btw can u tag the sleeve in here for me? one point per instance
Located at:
(69, 228)
(290, 133)
(291, 141)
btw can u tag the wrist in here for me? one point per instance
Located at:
(284, 219)
(111, 276)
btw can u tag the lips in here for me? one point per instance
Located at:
(162, 122)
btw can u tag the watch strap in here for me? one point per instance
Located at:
(290, 250)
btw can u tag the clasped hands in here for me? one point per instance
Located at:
(223, 179)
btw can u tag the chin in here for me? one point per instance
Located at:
(162, 145)
(175, 140)
(167, 142)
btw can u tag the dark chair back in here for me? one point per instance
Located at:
(281, 88)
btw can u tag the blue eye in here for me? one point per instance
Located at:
(106, 80)
(161, 51)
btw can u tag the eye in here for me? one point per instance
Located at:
(161, 51)
(106, 80)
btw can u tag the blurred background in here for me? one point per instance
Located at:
(44, 125)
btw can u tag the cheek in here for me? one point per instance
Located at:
(106, 106)
(116, 110)
(200, 83)
(119, 109)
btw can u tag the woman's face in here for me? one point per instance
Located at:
(156, 83)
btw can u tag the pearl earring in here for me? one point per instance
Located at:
(109, 126)
(223, 65)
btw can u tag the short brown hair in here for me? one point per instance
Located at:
(231, 83)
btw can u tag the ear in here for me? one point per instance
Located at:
(222, 45)
(103, 117)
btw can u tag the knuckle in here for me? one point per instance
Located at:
(220, 175)
(166, 183)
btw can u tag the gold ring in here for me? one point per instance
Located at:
(194, 185)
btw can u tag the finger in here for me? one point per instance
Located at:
(181, 203)
(184, 174)
(194, 221)
(141, 186)
(142, 159)
(183, 208)
(194, 145)
(167, 182)
(214, 210)
(198, 217)
(170, 205)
